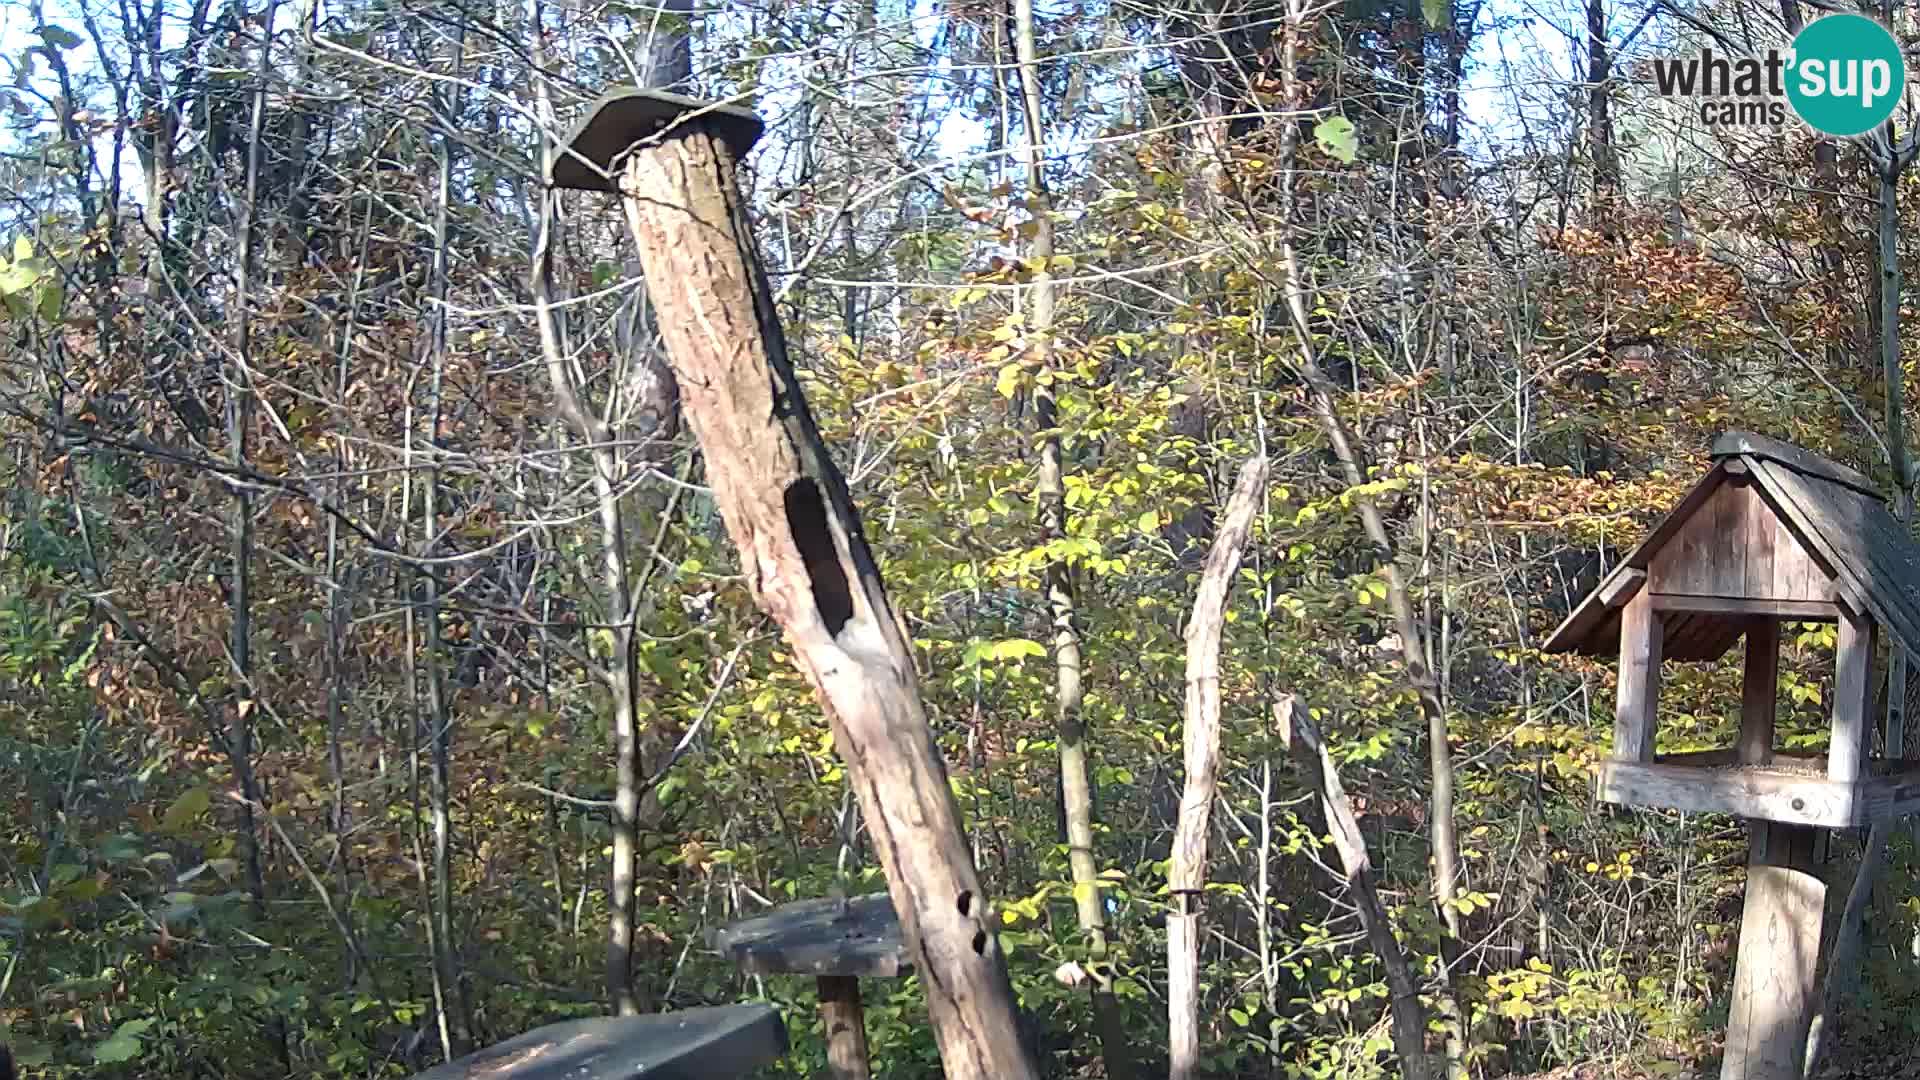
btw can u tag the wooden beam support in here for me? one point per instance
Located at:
(845, 1023)
(1852, 685)
(1639, 690)
(1759, 692)
(1797, 610)
(1773, 978)
(1622, 586)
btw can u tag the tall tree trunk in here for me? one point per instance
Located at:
(806, 559)
(1891, 285)
(1841, 976)
(1323, 398)
(656, 398)
(1600, 149)
(440, 716)
(1076, 779)
(1200, 743)
(1831, 244)
(240, 410)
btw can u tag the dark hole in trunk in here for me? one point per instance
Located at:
(807, 519)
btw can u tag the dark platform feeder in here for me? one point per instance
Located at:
(717, 1043)
(838, 942)
(1772, 534)
(621, 119)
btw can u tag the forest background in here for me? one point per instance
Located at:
(357, 708)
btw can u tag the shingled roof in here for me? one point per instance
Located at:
(1811, 512)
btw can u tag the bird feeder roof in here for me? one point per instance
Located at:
(1772, 529)
(589, 159)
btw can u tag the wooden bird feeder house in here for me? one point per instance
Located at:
(1771, 534)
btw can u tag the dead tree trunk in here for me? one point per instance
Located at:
(806, 560)
(1187, 878)
(1408, 1014)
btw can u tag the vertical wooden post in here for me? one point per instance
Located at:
(1639, 692)
(845, 1023)
(1759, 691)
(1773, 979)
(1852, 683)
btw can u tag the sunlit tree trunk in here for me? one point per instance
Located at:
(1076, 779)
(1200, 753)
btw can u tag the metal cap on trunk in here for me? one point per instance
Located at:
(629, 115)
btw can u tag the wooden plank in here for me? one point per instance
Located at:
(1685, 564)
(1787, 760)
(1621, 586)
(845, 1023)
(717, 1043)
(1728, 570)
(1797, 574)
(1737, 545)
(1803, 566)
(1748, 793)
(1799, 610)
(1759, 692)
(1709, 638)
(1762, 536)
(1773, 981)
(1639, 685)
(1852, 682)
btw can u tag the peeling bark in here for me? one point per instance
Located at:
(804, 557)
(1187, 878)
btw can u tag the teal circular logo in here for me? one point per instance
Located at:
(1845, 75)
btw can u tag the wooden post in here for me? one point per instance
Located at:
(802, 551)
(1639, 690)
(1852, 685)
(1759, 691)
(1773, 978)
(846, 1026)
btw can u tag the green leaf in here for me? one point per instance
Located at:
(1014, 649)
(19, 277)
(50, 299)
(1436, 12)
(1009, 381)
(22, 248)
(1337, 137)
(123, 1044)
(1149, 521)
(185, 810)
(1239, 1017)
